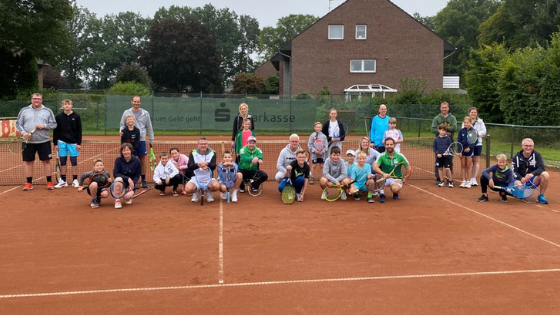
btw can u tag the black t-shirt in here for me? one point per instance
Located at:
(298, 171)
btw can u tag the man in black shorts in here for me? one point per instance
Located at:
(34, 122)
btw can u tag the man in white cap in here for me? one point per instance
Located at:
(250, 160)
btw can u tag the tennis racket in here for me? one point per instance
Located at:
(56, 173)
(142, 192)
(334, 192)
(18, 144)
(201, 188)
(153, 159)
(118, 190)
(100, 178)
(472, 136)
(320, 145)
(256, 180)
(392, 172)
(454, 149)
(288, 193)
(528, 193)
(379, 181)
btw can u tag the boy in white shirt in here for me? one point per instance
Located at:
(166, 174)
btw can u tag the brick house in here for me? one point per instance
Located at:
(359, 42)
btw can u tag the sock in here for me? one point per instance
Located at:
(143, 177)
(74, 177)
(63, 177)
(29, 179)
(49, 179)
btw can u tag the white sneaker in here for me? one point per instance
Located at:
(468, 185)
(298, 196)
(234, 196)
(61, 184)
(463, 184)
(195, 197)
(324, 195)
(224, 195)
(128, 202)
(473, 182)
(210, 198)
(343, 197)
(75, 183)
(118, 204)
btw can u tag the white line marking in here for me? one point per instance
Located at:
(221, 244)
(248, 284)
(7, 191)
(486, 216)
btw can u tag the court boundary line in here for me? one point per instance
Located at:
(221, 244)
(486, 216)
(281, 282)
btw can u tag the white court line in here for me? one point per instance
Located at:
(486, 216)
(221, 244)
(263, 283)
(7, 191)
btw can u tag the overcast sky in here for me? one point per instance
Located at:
(267, 12)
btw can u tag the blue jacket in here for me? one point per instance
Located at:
(441, 144)
(378, 127)
(125, 170)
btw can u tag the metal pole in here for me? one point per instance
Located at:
(487, 151)
(512, 140)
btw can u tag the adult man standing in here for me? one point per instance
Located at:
(385, 164)
(287, 156)
(144, 123)
(379, 124)
(450, 122)
(202, 162)
(528, 167)
(34, 122)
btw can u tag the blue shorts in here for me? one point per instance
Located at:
(142, 151)
(65, 149)
(478, 150)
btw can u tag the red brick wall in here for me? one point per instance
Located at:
(265, 70)
(401, 46)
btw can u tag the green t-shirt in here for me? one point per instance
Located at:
(386, 163)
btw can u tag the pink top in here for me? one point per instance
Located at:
(245, 135)
(183, 162)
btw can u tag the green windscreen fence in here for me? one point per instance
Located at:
(215, 113)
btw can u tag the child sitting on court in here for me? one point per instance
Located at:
(298, 171)
(181, 162)
(166, 174)
(467, 154)
(334, 173)
(443, 162)
(131, 134)
(502, 176)
(318, 157)
(228, 177)
(394, 133)
(93, 188)
(363, 178)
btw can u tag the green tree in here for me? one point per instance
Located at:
(271, 39)
(427, 21)
(181, 56)
(132, 72)
(459, 23)
(18, 73)
(272, 84)
(522, 23)
(250, 31)
(129, 88)
(482, 76)
(247, 83)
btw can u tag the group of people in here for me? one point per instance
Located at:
(377, 154)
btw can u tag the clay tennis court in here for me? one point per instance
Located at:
(434, 251)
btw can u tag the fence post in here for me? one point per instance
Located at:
(512, 140)
(488, 151)
(419, 127)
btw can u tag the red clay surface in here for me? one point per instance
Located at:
(434, 251)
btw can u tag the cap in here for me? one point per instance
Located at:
(351, 152)
(251, 138)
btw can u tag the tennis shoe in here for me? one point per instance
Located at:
(234, 196)
(209, 197)
(94, 203)
(144, 184)
(242, 189)
(503, 195)
(175, 193)
(324, 195)
(343, 197)
(128, 202)
(450, 183)
(474, 182)
(61, 183)
(441, 184)
(463, 184)
(27, 186)
(468, 185)
(162, 193)
(396, 196)
(370, 199)
(194, 197)
(224, 195)
(542, 199)
(482, 198)
(382, 198)
(50, 186)
(437, 181)
(298, 197)
(75, 183)
(357, 196)
(118, 204)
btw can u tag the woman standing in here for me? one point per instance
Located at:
(479, 126)
(238, 123)
(334, 130)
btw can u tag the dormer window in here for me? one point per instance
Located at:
(336, 31)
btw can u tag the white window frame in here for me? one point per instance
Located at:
(342, 33)
(362, 62)
(365, 31)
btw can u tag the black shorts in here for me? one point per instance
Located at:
(43, 149)
(478, 150)
(444, 161)
(318, 161)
